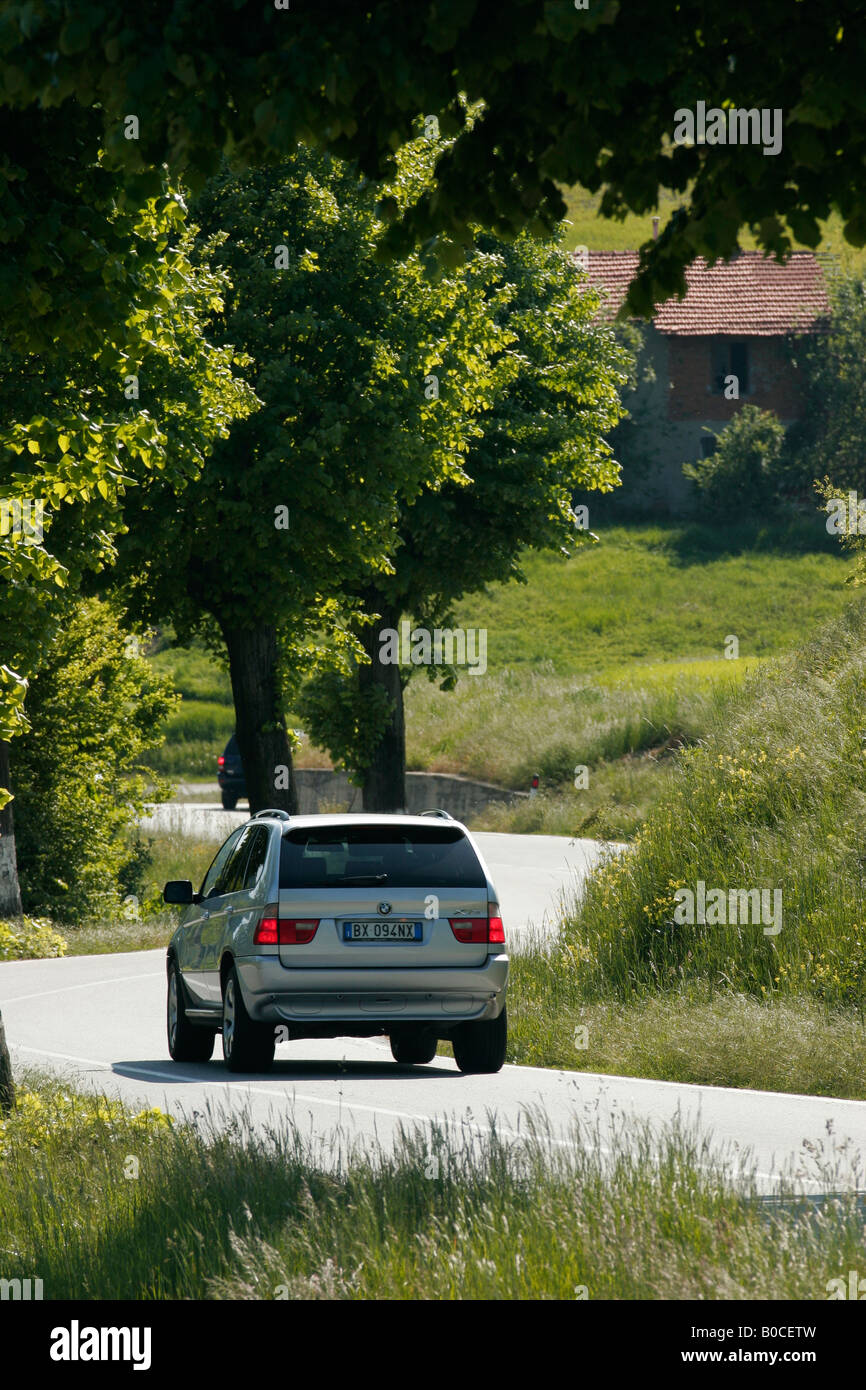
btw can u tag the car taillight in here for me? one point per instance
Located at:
(296, 932)
(285, 931)
(266, 933)
(496, 931)
(221, 761)
(469, 928)
(480, 929)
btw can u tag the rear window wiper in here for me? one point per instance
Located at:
(356, 880)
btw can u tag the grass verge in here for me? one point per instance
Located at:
(701, 1037)
(222, 1212)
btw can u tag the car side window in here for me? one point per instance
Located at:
(219, 862)
(256, 862)
(232, 875)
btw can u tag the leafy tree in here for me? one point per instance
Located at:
(830, 438)
(95, 707)
(542, 441)
(744, 474)
(298, 508)
(81, 424)
(572, 95)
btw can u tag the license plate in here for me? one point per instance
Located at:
(383, 931)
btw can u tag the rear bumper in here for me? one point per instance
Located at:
(273, 994)
(230, 783)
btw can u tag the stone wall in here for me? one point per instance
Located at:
(320, 790)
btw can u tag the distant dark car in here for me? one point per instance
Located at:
(230, 775)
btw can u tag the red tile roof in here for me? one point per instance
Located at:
(749, 295)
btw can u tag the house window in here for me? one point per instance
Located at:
(730, 359)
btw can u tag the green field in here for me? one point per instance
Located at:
(584, 227)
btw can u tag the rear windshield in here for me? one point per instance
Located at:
(374, 855)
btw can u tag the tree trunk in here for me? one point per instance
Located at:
(384, 785)
(7, 1085)
(10, 892)
(261, 731)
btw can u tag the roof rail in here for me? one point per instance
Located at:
(277, 815)
(445, 815)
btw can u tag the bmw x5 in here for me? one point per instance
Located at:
(330, 926)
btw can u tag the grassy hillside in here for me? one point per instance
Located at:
(585, 228)
(666, 594)
(774, 799)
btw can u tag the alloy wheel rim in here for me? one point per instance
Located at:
(172, 1009)
(229, 1017)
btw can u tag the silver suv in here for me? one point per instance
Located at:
(333, 926)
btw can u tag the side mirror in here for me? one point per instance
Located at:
(178, 890)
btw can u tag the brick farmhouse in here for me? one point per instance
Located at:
(735, 321)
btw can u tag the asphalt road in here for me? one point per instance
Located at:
(532, 873)
(99, 1020)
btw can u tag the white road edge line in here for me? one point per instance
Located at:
(89, 984)
(225, 1086)
(320, 1100)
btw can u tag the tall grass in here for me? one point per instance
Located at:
(612, 807)
(775, 797)
(611, 1211)
(539, 721)
(195, 673)
(697, 1034)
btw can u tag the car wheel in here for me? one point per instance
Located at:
(247, 1045)
(480, 1047)
(229, 800)
(414, 1047)
(186, 1042)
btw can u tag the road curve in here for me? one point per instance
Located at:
(99, 1020)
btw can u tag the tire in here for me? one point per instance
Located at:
(480, 1047)
(413, 1048)
(247, 1045)
(186, 1042)
(229, 800)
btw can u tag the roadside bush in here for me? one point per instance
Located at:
(744, 474)
(60, 1120)
(30, 938)
(95, 707)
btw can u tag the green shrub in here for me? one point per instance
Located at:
(95, 707)
(743, 476)
(56, 1119)
(30, 938)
